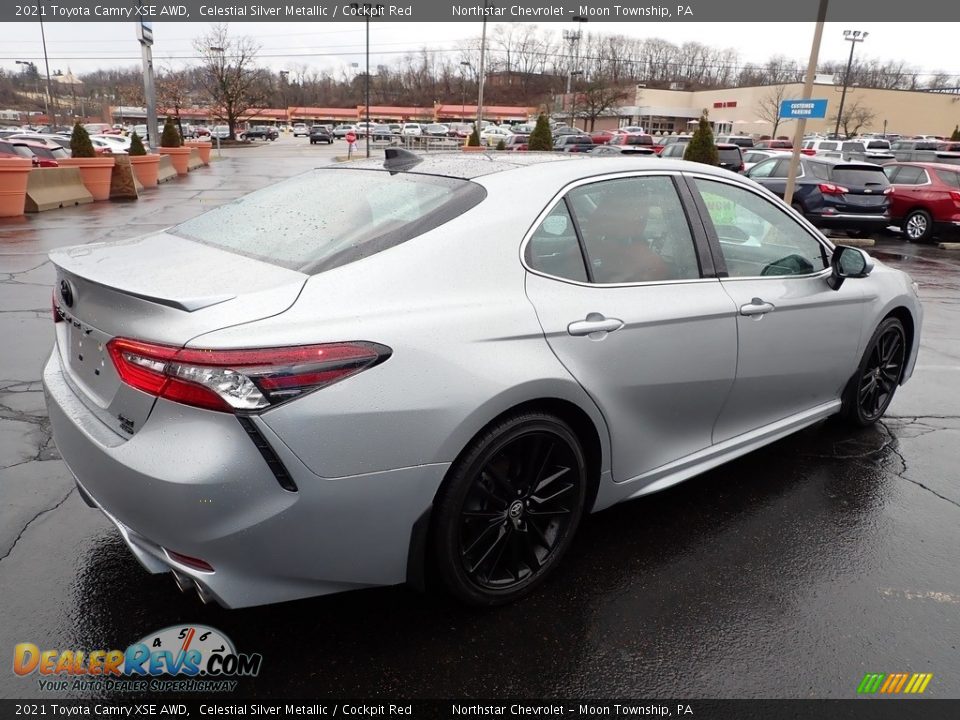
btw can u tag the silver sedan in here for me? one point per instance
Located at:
(283, 398)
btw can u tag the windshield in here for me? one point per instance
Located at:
(284, 224)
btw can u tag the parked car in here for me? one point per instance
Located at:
(611, 150)
(925, 201)
(754, 156)
(267, 428)
(44, 156)
(773, 145)
(15, 149)
(461, 130)
(381, 133)
(730, 156)
(47, 140)
(832, 193)
(625, 138)
(602, 137)
(96, 128)
(517, 142)
(301, 129)
(743, 141)
(436, 130)
(320, 134)
(668, 140)
(565, 130)
(200, 131)
(573, 143)
(262, 132)
(118, 143)
(220, 132)
(340, 131)
(907, 145)
(493, 134)
(411, 130)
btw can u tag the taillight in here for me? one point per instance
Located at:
(808, 151)
(831, 189)
(888, 190)
(238, 380)
(57, 317)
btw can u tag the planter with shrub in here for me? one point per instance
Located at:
(95, 170)
(541, 138)
(473, 142)
(13, 185)
(172, 144)
(144, 164)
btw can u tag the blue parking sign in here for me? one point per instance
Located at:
(803, 109)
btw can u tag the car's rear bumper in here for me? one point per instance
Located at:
(192, 482)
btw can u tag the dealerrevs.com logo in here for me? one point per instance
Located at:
(191, 658)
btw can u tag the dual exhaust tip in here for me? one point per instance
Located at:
(187, 584)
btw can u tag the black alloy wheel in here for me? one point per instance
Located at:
(510, 508)
(872, 388)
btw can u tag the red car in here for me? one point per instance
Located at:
(43, 156)
(602, 137)
(632, 139)
(925, 200)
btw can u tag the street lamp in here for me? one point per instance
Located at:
(573, 37)
(463, 89)
(853, 37)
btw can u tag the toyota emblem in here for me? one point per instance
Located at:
(66, 293)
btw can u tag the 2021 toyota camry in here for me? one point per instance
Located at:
(283, 398)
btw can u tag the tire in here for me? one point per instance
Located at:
(871, 389)
(509, 508)
(918, 226)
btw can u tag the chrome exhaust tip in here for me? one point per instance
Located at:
(205, 595)
(184, 584)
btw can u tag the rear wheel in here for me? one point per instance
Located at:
(509, 509)
(871, 389)
(918, 226)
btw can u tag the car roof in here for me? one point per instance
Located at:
(926, 165)
(562, 167)
(825, 160)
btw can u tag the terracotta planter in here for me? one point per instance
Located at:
(145, 168)
(13, 185)
(203, 147)
(179, 156)
(95, 173)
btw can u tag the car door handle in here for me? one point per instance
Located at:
(756, 307)
(594, 323)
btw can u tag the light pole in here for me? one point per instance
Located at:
(463, 88)
(853, 37)
(573, 37)
(46, 63)
(483, 57)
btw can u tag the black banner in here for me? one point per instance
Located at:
(858, 709)
(541, 11)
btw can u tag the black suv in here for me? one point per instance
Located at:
(831, 192)
(321, 134)
(573, 143)
(261, 132)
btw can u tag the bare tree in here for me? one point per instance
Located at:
(599, 97)
(855, 117)
(234, 82)
(768, 108)
(173, 89)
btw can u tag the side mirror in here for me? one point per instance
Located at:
(848, 262)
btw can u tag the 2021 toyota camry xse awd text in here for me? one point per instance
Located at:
(283, 398)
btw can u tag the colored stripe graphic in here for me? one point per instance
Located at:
(894, 683)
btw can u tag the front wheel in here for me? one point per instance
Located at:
(509, 509)
(871, 389)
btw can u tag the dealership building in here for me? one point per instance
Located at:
(740, 110)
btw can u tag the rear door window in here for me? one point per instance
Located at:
(950, 178)
(910, 176)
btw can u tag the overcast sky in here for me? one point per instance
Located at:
(87, 46)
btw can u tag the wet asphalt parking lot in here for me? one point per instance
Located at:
(789, 573)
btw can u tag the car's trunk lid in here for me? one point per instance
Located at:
(866, 185)
(160, 288)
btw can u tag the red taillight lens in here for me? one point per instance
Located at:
(808, 151)
(237, 380)
(831, 189)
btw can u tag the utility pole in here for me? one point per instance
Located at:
(145, 36)
(49, 100)
(483, 53)
(573, 37)
(807, 93)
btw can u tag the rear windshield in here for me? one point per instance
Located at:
(741, 141)
(638, 140)
(729, 156)
(858, 176)
(286, 225)
(878, 145)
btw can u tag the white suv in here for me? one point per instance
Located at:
(301, 129)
